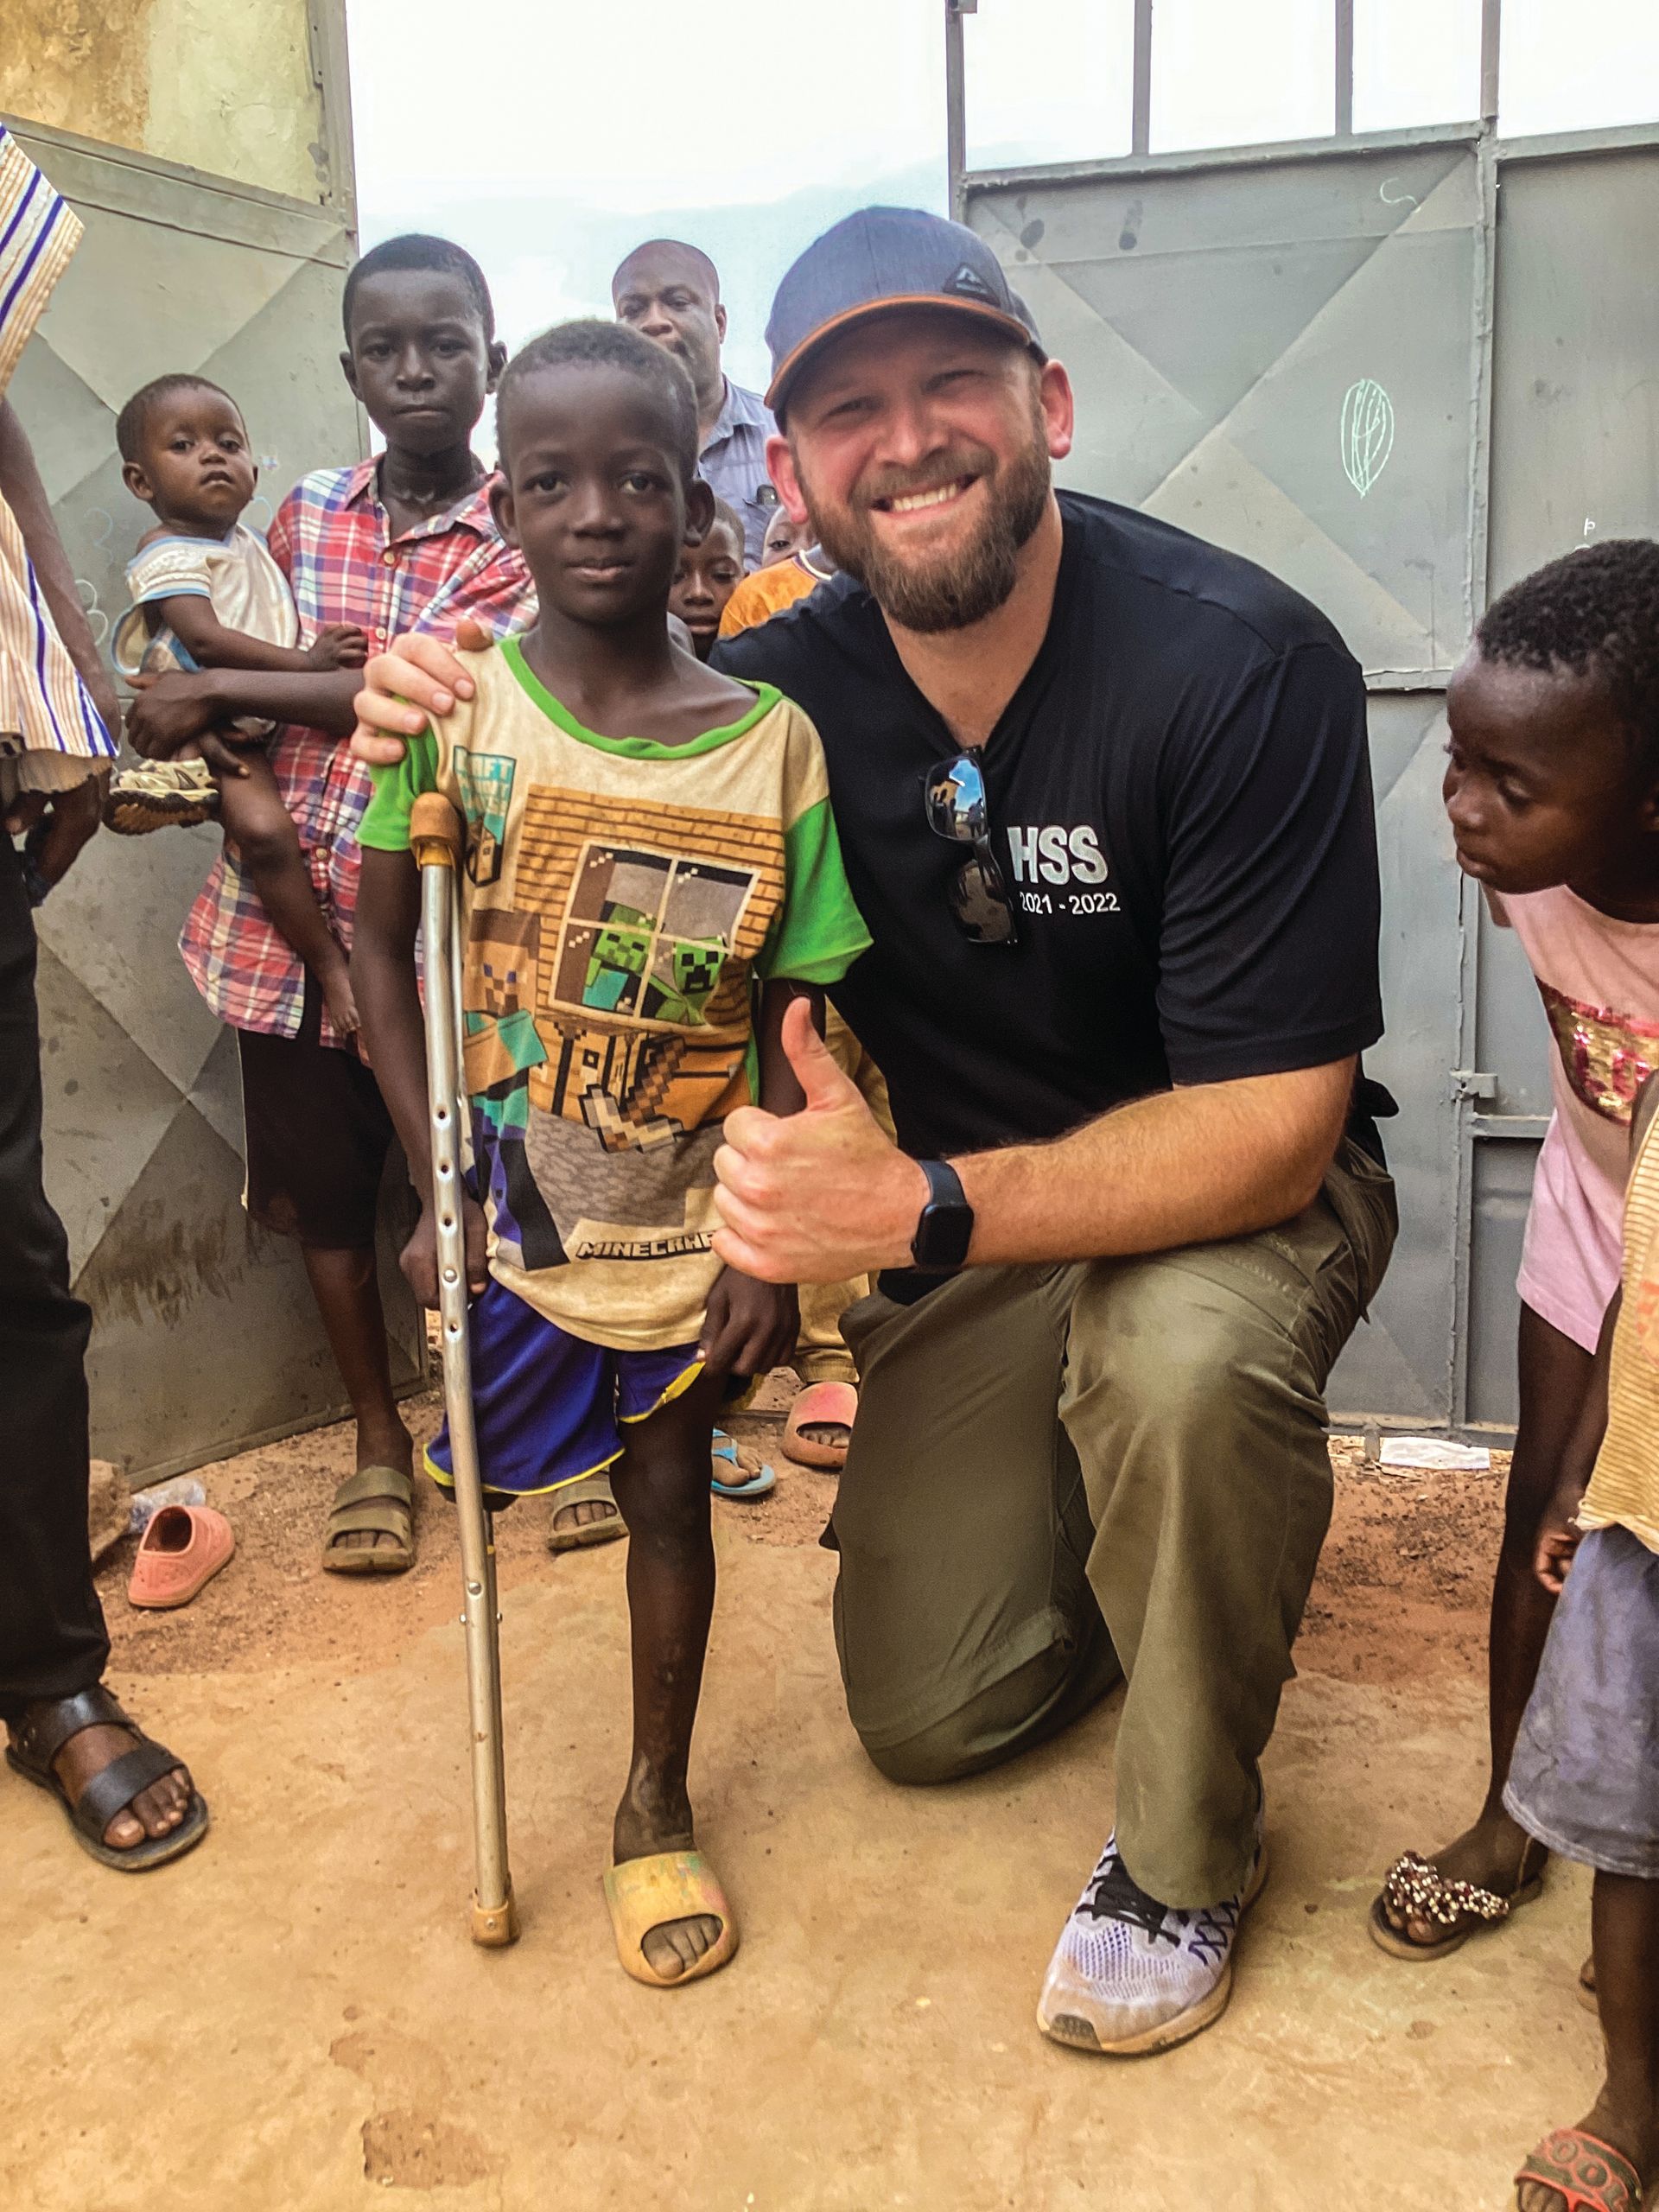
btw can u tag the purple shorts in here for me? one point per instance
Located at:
(550, 1408)
(1584, 1777)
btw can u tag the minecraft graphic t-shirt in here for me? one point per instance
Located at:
(622, 900)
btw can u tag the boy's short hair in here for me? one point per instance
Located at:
(1596, 613)
(134, 419)
(417, 249)
(729, 519)
(595, 345)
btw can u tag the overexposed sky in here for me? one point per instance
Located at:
(588, 123)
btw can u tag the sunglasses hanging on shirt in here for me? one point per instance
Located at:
(959, 811)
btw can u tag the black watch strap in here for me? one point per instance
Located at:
(946, 1226)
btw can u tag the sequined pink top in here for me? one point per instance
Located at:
(1600, 982)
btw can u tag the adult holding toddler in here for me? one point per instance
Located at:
(1103, 797)
(381, 545)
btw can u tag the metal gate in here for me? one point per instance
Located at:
(205, 1336)
(1400, 370)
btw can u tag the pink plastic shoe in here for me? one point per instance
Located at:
(183, 1548)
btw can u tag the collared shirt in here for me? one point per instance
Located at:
(50, 733)
(332, 538)
(734, 462)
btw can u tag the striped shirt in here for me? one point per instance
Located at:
(332, 538)
(50, 733)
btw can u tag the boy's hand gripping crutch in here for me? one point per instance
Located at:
(437, 840)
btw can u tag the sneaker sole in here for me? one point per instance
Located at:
(1076, 2033)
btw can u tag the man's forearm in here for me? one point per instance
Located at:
(25, 494)
(1184, 1168)
(319, 700)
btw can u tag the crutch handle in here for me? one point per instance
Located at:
(437, 837)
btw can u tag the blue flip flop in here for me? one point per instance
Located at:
(727, 1453)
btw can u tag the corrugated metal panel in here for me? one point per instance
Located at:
(1290, 350)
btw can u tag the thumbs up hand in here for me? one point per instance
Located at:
(818, 1195)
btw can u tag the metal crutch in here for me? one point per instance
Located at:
(437, 840)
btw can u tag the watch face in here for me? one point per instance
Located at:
(943, 1234)
(946, 1226)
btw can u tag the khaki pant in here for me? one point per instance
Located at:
(821, 1356)
(1065, 1476)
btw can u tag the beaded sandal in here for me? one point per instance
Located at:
(1418, 1890)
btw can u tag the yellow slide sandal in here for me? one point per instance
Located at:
(647, 1893)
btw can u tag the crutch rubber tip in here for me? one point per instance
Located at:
(495, 1926)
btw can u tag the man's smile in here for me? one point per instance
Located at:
(936, 495)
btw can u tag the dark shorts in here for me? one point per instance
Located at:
(1584, 1777)
(549, 1407)
(318, 1133)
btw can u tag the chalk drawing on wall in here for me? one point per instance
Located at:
(1367, 433)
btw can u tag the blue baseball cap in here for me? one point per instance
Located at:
(875, 261)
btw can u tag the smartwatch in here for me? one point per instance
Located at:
(946, 1226)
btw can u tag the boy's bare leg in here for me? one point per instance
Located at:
(1625, 1921)
(268, 845)
(661, 1484)
(348, 1292)
(1555, 1373)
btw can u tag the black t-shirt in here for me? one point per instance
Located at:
(1181, 803)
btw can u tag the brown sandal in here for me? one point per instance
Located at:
(1417, 1890)
(42, 1734)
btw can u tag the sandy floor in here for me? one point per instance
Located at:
(293, 2017)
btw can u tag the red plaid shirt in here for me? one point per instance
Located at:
(332, 540)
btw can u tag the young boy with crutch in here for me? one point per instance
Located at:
(651, 871)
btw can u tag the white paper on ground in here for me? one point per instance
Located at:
(1434, 1452)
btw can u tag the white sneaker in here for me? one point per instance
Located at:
(1130, 1975)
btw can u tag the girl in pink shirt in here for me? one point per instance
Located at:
(1553, 794)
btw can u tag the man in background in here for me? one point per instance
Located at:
(669, 292)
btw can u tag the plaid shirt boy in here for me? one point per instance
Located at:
(332, 539)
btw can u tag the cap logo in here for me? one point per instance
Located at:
(967, 280)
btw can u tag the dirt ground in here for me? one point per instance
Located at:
(293, 2016)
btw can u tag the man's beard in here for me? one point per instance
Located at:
(955, 590)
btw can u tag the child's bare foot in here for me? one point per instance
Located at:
(1495, 1855)
(335, 979)
(650, 1818)
(1631, 2130)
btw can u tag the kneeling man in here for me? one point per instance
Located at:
(1104, 801)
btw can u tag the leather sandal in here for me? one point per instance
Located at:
(47, 1726)
(379, 1501)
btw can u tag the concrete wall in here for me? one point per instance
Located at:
(226, 89)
